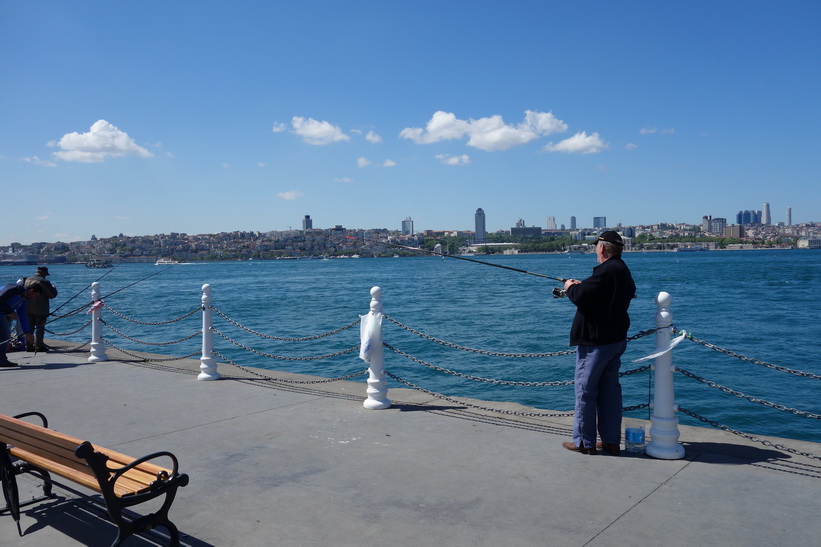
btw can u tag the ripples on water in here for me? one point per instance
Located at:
(763, 304)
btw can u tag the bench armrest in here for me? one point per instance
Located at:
(39, 415)
(161, 476)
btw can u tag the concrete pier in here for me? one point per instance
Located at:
(306, 465)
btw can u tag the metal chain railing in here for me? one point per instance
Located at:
(152, 323)
(474, 350)
(747, 436)
(759, 362)
(144, 358)
(69, 333)
(283, 380)
(489, 409)
(283, 357)
(127, 337)
(476, 378)
(280, 338)
(750, 398)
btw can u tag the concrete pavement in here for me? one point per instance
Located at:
(273, 463)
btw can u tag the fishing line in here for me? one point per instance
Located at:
(115, 292)
(437, 251)
(84, 289)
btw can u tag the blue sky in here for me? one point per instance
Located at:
(200, 117)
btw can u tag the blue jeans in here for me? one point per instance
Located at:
(5, 334)
(598, 394)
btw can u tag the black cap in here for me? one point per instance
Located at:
(611, 237)
(41, 270)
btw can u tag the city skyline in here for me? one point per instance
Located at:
(244, 117)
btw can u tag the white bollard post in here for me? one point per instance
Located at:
(97, 345)
(664, 432)
(208, 365)
(373, 353)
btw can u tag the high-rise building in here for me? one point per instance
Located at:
(765, 214)
(307, 223)
(407, 226)
(572, 223)
(551, 223)
(789, 215)
(599, 222)
(480, 225)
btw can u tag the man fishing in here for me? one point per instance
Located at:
(13, 299)
(599, 331)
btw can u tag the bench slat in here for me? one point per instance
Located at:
(54, 452)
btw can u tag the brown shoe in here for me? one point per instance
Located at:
(573, 448)
(609, 448)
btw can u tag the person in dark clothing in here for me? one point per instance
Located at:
(13, 298)
(38, 307)
(599, 331)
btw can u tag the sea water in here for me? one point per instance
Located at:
(762, 304)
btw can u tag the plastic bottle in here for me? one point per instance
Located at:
(634, 439)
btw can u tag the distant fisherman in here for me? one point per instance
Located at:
(600, 333)
(38, 307)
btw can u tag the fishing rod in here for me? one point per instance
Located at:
(437, 250)
(84, 289)
(114, 292)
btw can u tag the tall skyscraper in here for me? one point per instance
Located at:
(307, 223)
(480, 226)
(599, 222)
(407, 226)
(551, 223)
(572, 223)
(789, 215)
(765, 214)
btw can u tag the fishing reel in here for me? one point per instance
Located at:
(559, 292)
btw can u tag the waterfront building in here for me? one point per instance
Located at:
(521, 230)
(307, 223)
(599, 222)
(479, 220)
(734, 230)
(407, 227)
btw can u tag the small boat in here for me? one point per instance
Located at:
(165, 262)
(694, 248)
(99, 263)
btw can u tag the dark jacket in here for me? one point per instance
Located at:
(39, 305)
(601, 303)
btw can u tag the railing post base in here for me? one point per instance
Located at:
(373, 353)
(208, 365)
(664, 429)
(97, 345)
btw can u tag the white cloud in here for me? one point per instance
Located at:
(37, 161)
(343, 179)
(103, 140)
(373, 137)
(388, 163)
(226, 165)
(362, 162)
(580, 143)
(631, 146)
(279, 127)
(290, 195)
(653, 130)
(489, 134)
(317, 133)
(447, 159)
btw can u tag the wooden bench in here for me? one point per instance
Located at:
(122, 481)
